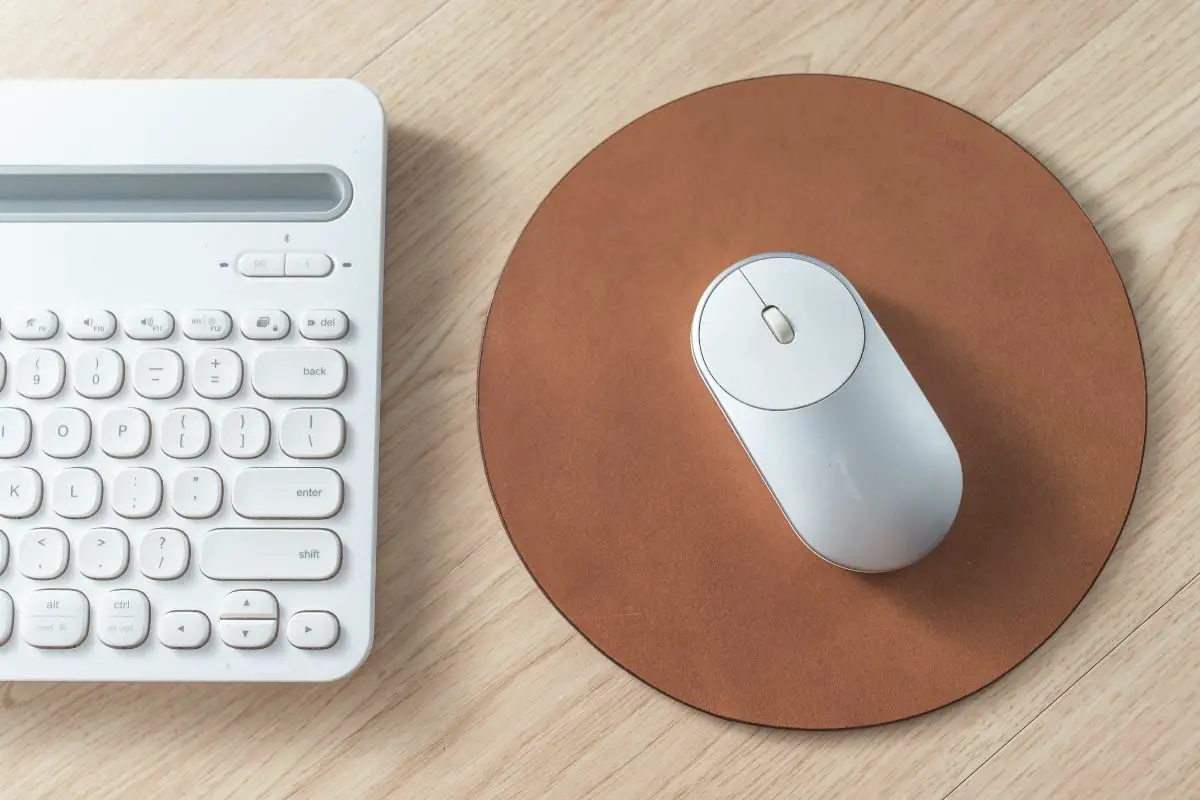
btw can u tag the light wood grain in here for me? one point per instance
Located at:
(476, 687)
(1127, 729)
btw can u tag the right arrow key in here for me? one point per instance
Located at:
(313, 630)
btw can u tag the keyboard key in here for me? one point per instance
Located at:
(3, 552)
(312, 433)
(55, 618)
(265, 323)
(207, 324)
(103, 554)
(323, 324)
(99, 373)
(150, 325)
(137, 493)
(124, 618)
(197, 493)
(33, 325)
(40, 374)
(77, 493)
(43, 554)
(300, 373)
(91, 325)
(125, 432)
(3, 371)
(185, 433)
(270, 554)
(307, 265)
(15, 432)
(261, 265)
(249, 604)
(164, 554)
(217, 374)
(183, 630)
(6, 617)
(20, 492)
(245, 433)
(66, 433)
(313, 630)
(287, 493)
(158, 374)
(248, 634)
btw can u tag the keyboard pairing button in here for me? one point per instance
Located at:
(307, 265)
(260, 265)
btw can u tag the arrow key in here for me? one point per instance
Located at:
(313, 630)
(183, 630)
(103, 554)
(249, 604)
(248, 634)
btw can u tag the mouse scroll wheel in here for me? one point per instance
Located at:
(780, 325)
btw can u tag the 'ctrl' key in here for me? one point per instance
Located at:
(55, 618)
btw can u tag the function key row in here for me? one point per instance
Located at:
(204, 324)
(164, 554)
(284, 374)
(60, 619)
(184, 433)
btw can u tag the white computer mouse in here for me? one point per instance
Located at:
(851, 449)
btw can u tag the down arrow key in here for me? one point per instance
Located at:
(248, 634)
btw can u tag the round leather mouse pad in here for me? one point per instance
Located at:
(632, 503)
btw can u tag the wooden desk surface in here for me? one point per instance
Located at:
(476, 687)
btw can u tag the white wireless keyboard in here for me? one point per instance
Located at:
(189, 378)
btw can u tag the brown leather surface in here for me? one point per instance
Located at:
(635, 508)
